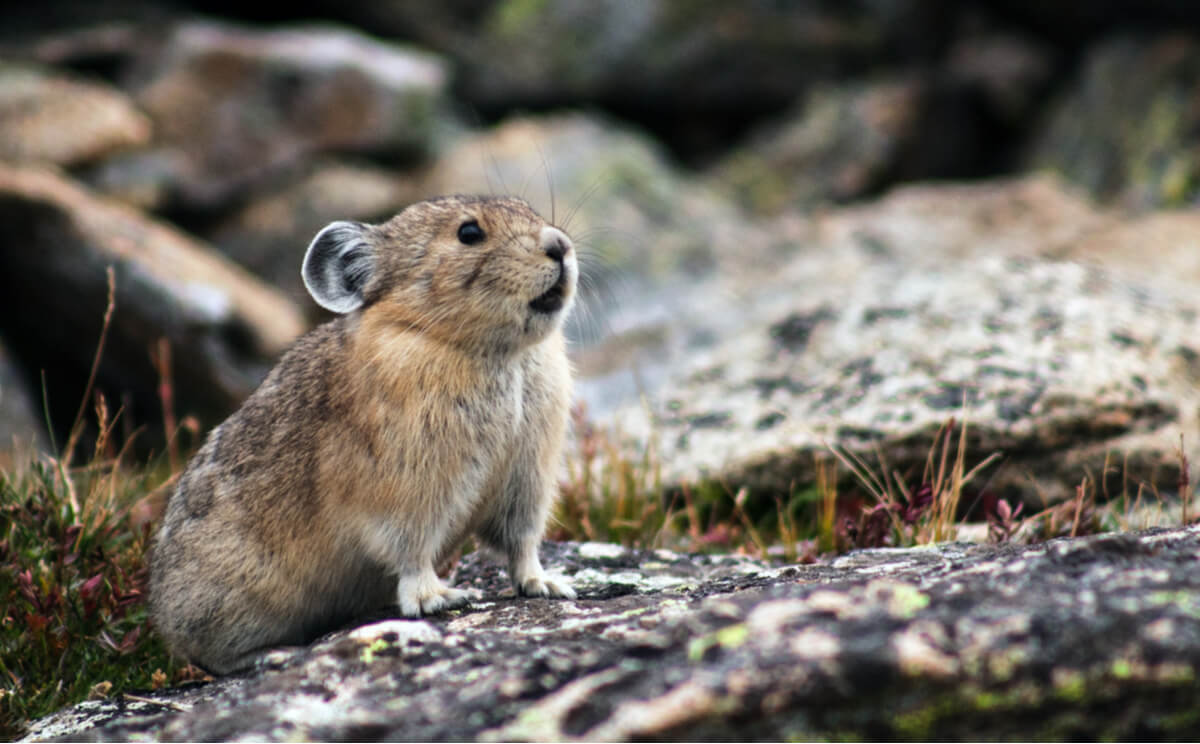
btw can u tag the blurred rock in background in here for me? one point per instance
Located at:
(729, 170)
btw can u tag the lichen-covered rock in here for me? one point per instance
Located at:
(1050, 363)
(892, 317)
(1092, 638)
(1125, 129)
(852, 138)
(232, 106)
(49, 117)
(223, 327)
(844, 142)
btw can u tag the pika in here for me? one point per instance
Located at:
(432, 408)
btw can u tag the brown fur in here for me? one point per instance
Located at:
(381, 440)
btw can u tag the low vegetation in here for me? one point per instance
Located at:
(73, 581)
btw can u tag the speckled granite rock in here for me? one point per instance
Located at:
(890, 315)
(1088, 638)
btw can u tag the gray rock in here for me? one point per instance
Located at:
(843, 142)
(893, 316)
(49, 117)
(21, 422)
(233, 106)
(853, 138)
(223, 327)
(1125, 128)
(1095, 638)
(670, 57)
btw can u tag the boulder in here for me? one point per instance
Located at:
(1125, 128)
(21, 421)
(48, 117)
(223, 327)
(853, 138)
(234, 106)
(844, 142)
(667, 58)
(1090, 638)
(933, 303)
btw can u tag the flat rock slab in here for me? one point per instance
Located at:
(1007, 304)
(1090, 638)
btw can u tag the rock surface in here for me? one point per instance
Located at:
(851, 139)
(46, 117)
(1126, 128)
(223, 327)
(20, 413)
(233, 106)
(670, 56)
(1092, 638)
(889, 318)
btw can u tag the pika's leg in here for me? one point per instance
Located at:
(528, 576)
(515, 529)
(419, 591)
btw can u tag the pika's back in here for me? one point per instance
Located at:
(434, 407)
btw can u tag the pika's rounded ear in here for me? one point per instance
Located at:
(337, 266)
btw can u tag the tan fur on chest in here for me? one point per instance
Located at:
(436, 426)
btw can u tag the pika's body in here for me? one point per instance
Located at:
(435, 407)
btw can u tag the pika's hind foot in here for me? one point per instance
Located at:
(427, 595)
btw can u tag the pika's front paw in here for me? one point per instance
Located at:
(425, 598)
(544, 586)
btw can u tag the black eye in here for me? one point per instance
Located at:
(470, 233)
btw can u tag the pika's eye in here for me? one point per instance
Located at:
(470, 233)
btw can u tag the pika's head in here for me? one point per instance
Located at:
(473, 271)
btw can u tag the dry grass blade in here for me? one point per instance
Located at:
(77, 424)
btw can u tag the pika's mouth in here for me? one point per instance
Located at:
(553, 299)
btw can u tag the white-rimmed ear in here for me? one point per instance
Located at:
(338, 265)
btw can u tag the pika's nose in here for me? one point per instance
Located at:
(555, 243)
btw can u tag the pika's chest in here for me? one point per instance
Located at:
(449, 427)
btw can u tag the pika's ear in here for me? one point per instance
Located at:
(337, 266)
